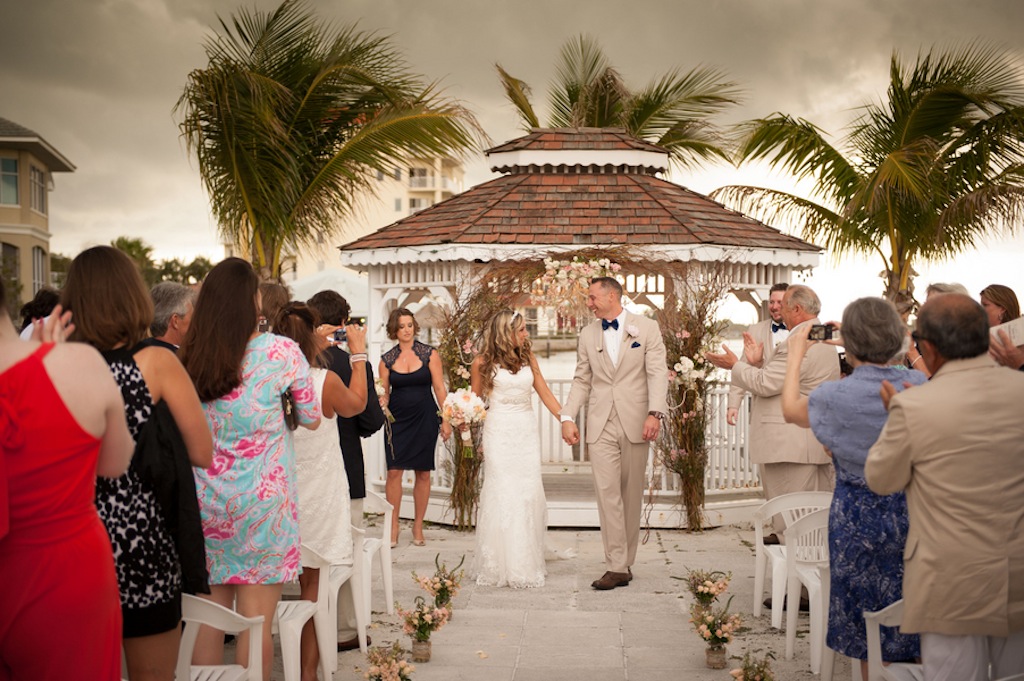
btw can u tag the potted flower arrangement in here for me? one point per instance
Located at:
(754, 669)
(419, 623)
(388, 664)
(706, 586)
(444, 584)
(717, 627)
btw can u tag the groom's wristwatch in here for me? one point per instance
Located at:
(656, 414)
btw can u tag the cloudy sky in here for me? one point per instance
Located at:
(98, 79)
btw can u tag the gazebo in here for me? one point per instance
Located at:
(562, 190)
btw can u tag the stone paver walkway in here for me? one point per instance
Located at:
(568, 631)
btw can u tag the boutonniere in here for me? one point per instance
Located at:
(632, 331)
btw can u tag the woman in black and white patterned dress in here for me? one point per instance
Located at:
(112, 311)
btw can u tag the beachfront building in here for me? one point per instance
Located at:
(27, 164)
(561, 190)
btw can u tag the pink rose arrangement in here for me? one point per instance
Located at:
(462, 409)
(388, 664)
(423, 620)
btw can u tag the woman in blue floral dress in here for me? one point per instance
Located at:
(248, 498)
(866, 532)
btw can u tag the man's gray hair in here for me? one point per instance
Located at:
(939, 287)
(873, 330)
(608, 284)
(169, 298)
(805, 297)
(955, 324)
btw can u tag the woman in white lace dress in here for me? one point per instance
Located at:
(325, 522)
(513, 511)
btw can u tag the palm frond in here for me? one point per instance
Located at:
(518, 93)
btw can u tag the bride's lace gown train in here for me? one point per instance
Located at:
(512, 519)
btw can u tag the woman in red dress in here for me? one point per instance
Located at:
(62, 423)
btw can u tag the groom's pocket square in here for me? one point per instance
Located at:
(635, 345)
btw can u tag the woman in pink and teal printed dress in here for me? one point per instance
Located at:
(248, 497)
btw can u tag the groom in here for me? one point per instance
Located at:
(622, 377)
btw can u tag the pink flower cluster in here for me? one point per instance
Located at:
(388, 664)
(423, 620)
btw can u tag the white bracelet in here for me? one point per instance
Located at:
(915, 361)
(357, 357)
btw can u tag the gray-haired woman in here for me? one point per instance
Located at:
(866, 532)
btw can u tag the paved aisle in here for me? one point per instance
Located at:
(568, 631)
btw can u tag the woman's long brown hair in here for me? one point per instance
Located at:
(224, 319)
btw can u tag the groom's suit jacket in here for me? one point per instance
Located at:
(636, 385)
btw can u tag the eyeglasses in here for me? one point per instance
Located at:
(917, 340)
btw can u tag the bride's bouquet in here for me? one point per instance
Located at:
(462, 409)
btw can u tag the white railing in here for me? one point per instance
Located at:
(729, 469)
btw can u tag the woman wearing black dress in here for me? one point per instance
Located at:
(410, 372)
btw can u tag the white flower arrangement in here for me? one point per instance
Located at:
(462, 409)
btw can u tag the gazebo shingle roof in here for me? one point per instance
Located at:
(579, 208)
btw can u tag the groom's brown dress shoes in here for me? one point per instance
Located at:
(610, 580)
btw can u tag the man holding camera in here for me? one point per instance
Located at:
(789, 457)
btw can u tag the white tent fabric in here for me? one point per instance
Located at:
(353, 286)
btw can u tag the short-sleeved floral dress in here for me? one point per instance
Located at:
(249, 497)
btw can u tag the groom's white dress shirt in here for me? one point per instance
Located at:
(613, 338)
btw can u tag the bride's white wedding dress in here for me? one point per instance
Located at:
(512, 519)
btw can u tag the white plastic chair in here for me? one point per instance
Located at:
(806, 553)
(289, 619)
(197, 611)
(380, 547)
(889, 616)
(325, 619)
(790, 507)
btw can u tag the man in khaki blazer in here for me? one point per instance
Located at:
(622, 377)
(759, 343)
(790, 458)
(956, 444)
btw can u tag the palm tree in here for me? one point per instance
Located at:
(674, 110)
(141, 254)
(923, 175)
(293, 117)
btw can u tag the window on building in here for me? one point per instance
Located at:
(419, 177)
(37, 189)
(10, 270)
(398, 173)
(9, 181)
(380, 175)
(417, 204)
(38, 269)
(398, 205)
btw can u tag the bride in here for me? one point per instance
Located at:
(513, 511)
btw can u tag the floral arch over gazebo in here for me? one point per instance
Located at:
(562, 192)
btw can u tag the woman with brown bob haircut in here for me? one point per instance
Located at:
(112, 312)
(248, 499)
(409, 372)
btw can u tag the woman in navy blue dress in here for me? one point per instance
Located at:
(866, 532)
(413, 381)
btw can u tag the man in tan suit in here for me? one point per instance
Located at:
(790, 459)
(759, 343)
(622, 377)
(956, 444)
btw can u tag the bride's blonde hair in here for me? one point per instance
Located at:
(500, 349)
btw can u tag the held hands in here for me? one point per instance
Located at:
(570, 433)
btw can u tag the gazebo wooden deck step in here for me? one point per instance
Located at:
(572, 503)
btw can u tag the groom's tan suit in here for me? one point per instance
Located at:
(618, 398)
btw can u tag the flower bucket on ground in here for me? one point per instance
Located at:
(388, 664)
(444, 584)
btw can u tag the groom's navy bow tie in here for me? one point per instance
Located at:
(613, 324)
(781, 326)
